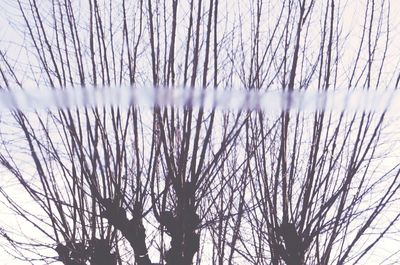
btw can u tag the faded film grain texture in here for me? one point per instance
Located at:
(182, 185)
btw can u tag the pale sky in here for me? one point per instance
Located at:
(11, 41)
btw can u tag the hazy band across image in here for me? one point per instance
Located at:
(191, 132)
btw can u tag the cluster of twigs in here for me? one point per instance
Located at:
(110, 185)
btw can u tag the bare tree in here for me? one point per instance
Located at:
(196, 185)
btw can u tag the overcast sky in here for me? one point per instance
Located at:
(12, 41)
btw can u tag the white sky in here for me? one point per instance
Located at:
(11, 41)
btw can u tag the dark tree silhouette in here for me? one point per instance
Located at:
(197, 184)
